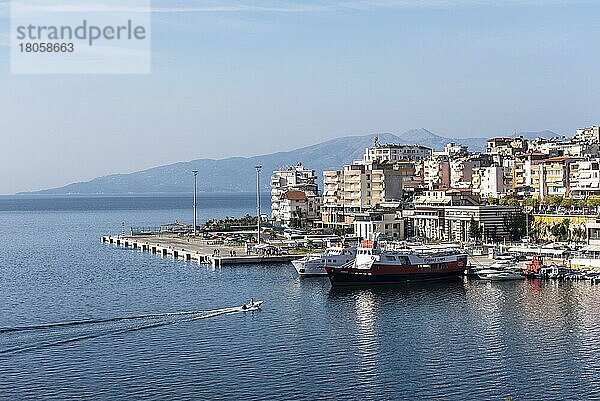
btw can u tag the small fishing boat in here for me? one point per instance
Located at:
(252, 306)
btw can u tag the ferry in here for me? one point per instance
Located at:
(314, 264)
(376, 266)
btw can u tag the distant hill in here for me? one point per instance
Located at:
(237, 174)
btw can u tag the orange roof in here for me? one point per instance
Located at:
(295, 195)
(557, 159)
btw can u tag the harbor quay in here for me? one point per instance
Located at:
(198, 250)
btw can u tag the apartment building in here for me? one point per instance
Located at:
(293, 178)
(461, 171)
(360, 187)
(391, 153)
(588, 134)
(506, 146)
(489, 181)
(525, 172)
(585, 178)
(299, 209)
(436, 172)
(388, 223)
(554, 177)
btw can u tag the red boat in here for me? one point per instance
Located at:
(533, 268)
(376, 266)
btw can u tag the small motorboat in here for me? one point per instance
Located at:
(500, 275)
(252, 306)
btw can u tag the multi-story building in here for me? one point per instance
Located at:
(588, 134)
(461, 171)
(573, 147)
(436, 172)
(489, 182)
(297, 178)
(554, 177)
(299, 209)
(452, 149)
(585, 178)
(453, 223)
(383, 175)
(391, 153)
(507, 146)
(388, 223)
(447, 197)
(525, 172)
(360, 187)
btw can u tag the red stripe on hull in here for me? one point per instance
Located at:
(384, 273)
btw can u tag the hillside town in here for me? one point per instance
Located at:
(517, 190)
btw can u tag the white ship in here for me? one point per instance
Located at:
(314, 264)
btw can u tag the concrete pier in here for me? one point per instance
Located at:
(194, 250)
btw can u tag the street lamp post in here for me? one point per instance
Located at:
(258, 168)
(195, 172)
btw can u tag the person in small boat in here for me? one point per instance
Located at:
(247, 306)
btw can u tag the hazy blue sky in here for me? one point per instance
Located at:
(241, 78)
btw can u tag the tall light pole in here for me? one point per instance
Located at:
(195, 172)
(258, 168)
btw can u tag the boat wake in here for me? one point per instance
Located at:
(28, 337)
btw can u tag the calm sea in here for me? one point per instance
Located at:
(82, 320)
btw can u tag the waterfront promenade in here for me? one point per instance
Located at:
(195, 250)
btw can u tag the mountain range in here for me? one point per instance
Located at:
(237, 174)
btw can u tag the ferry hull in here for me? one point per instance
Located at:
(309, 271)
(391, 275)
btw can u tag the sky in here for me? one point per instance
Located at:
(241, 78)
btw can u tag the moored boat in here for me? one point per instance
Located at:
(314, 264)
(500, 275)
(376, 266)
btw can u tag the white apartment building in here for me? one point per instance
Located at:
(461, 171)
(489, 181)
(391, 153)
(299, 209)
(588, 134)
(571, 148)
(388, 223)
(585, 177)
(506, 146)
(453, 149)
(436, 172)
(297, 178)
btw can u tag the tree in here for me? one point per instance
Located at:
(492, 201)
(555, 201)
(296, 219)
(474, 230)
(593, 203)
(578, 234)
(532, 202)
(567, 203)
(516, 225)
(560, 231)
(514, 202)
